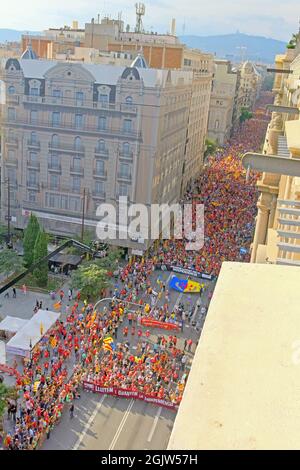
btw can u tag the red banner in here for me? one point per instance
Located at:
(159, 324)
(127, 393)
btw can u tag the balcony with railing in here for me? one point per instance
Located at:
(128, 156)
(76, 189)
(80, 103)
(14, 204)
(100, 174)
(11, 141)
(62, 189)
(33, 165)
(101, 152)
(10, 162)
(33, 184)
(54, 167)
(70, 126)
(128, 108)
(125, 177)
(12, 99)
(34, 144)
(75, 170)
(99, 194)
(60, 147)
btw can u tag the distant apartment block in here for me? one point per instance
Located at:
(250, 85)
(222, 102)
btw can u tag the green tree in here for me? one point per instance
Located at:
(10, 262)
(40, 251)
(91, 280)
(5, 393)
(245, 114)
(111, 261)
(30, 235)
(211, 147)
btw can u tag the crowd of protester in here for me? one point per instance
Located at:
(73, 349)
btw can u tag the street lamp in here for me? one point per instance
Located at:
(8, 216)
(83, 215)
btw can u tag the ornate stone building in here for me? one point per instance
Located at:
(277, 233)
(222, 101)
(106, 130)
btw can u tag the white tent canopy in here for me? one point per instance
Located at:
(2, 353)
(12, 324)
(31, 333)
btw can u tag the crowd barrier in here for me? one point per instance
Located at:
(126, 393)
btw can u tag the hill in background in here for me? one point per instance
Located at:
(12, 35)
(227, 46)
(258, 48)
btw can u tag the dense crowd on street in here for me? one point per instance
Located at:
(73, 349)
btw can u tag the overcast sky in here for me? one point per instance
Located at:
(272, 18)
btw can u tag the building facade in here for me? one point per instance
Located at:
(222, 102)
(277, 232)
(250, 85)
(77, 134)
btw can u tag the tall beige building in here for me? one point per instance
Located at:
(222, 101)
(108, 130)
(277, 233)
(250, 85)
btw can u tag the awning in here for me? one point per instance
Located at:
(30, 334)
(63, 259)
(12, 324)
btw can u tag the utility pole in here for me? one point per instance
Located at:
(8, 214)
(83, 215)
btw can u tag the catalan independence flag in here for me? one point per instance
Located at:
(108, 344)
(107, 347)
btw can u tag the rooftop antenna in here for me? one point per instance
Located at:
(140, 12)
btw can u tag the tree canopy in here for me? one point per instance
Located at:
(30, 235)
(10, 262)
(5, 393)
(40, 251)
(245, 114)
(91, 279)
(110, 262)
(211, 147)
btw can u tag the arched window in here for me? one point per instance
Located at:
(101, 145)
(217, 123)
(11, 90)
(126, 148)
(129, 100)
(55, 140)
(77, 143)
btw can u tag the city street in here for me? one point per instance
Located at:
(105, 422)
(102, 422)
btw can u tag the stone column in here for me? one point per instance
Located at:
(261, 224)
(272, 211)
